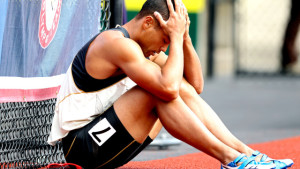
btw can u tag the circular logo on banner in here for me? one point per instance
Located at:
(49, 19)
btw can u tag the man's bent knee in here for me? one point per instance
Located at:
(135, 111)
(187, 90)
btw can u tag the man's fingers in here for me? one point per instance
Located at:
(159, 18)
(186, 14)
(188, 19)
(185, 10)
(170, 6)
(177, 5)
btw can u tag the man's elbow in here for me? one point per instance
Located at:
(172, 96)
(171, 93)
(199, 88)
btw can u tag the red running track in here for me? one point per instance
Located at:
(286, 148)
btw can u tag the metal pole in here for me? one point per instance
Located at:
(211, 37)
(116, 13)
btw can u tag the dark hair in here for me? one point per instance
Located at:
(150, 6)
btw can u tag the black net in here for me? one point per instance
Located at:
(105, 15)
(24, 130)
(25, 127)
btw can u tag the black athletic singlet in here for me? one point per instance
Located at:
(81, 77)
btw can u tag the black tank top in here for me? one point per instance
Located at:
(81, 77)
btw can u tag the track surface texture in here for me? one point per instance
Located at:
(285, 148)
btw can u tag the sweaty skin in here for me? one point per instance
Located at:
(117, 54)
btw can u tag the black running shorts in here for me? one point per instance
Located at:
(103, 143)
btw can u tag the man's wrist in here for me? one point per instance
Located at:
(176, 37)
(187, 39)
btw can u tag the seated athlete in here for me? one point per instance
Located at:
(121, 89)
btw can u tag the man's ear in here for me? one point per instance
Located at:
(148, 22)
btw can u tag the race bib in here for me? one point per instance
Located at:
(102, 131)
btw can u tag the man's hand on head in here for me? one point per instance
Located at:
(187, 25)
(175, 26)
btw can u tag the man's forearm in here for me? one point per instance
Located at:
(192, 66)
(172, 70)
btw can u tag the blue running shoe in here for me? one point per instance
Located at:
(280, 164)
(248, 163)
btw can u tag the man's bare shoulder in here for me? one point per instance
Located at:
(111, 50)
(116, 42)
(112, 39)
(128, 49)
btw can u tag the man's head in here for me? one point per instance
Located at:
(150, 6)
(154, 39)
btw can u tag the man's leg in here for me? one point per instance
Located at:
(210, 119)
(206, 114)
(135, 110)
(288, 51)
(153, 133)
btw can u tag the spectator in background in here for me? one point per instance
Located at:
(124, 13)
(288, 51)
